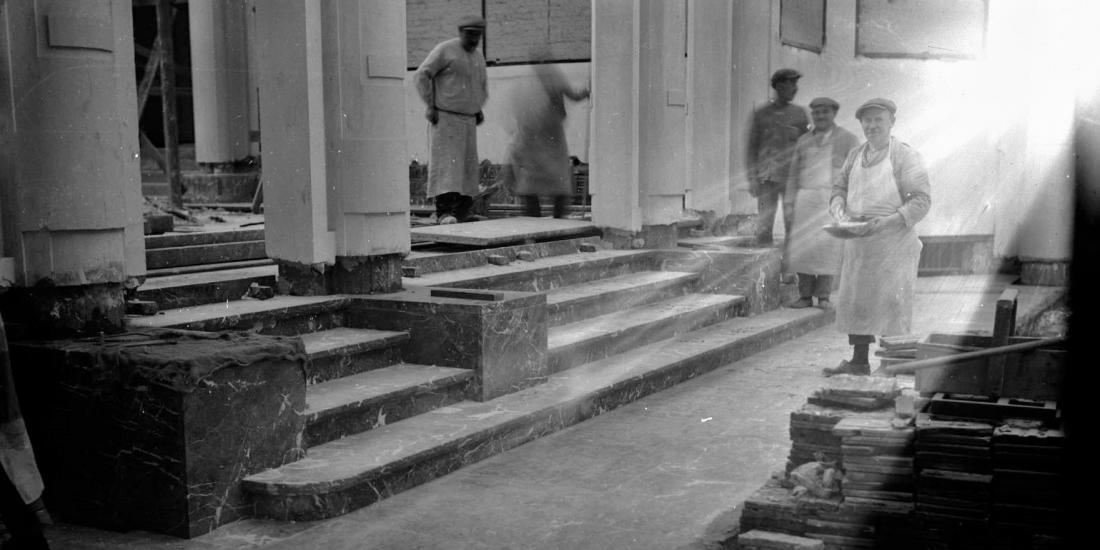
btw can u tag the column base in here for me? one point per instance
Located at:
(65, 311)
(350, 275)
(650, 236)
(367, 274)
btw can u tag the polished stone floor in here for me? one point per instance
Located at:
(650, 475)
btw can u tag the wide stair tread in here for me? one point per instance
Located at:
(208, 277)
(640, 281)
(359, 390)
(195, 315)
(567, 397)
(340, 340)
(635, 318)
(579, 260)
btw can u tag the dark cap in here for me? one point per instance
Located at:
(785, 74)
(877, 103)
(825, 102)
(471, 21)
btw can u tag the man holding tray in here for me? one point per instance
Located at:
(885, 182)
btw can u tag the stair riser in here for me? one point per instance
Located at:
(194, 295)
(558, 276)
(201, 238)
(610, 344)
(336, 366)
(373, 415)
(522, 430)
(161, 258)
(619, 300)
(272, 324)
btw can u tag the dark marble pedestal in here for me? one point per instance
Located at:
(349, 275)
(154, 430)
(499, 334)
(66, 311)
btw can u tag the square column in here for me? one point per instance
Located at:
(219, 73)
(70, 185)
(292, 121)
(364, 90)
(710, 64)
(639, 109)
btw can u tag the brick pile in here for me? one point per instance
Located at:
(843, 396)
(1027, 480)
(954, 465)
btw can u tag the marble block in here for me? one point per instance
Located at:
(502, 338)
(154, 430)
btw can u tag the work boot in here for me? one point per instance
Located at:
(824, 303)
(801, 303)
(447, 219)
(845, 367)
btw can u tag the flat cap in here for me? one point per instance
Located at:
(824, 102)
(877, 103)
(472, 21)
(785, 74)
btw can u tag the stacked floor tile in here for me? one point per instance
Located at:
(1027, 480)
(878, 481)
(842, 396)
(954, 475)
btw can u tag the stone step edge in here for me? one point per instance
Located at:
(203, 268)
(365, 339)
(434, 378)
(567, 296)
(632, 319)
(196, 238)
(485, 275)
(737, 341)
(205, 278)
(238, 312)
(452, 261)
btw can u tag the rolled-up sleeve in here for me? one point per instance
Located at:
(913, 183)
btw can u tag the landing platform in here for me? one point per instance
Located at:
(503, 231)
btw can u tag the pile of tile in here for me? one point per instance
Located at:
(842, 396)
(954, 469)
(897, 349)
(812, 438)
(864, 393)
(1027, 477)
(767, 540)
(773, 508)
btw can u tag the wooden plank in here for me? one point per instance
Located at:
(504, 231)
(1004, 327)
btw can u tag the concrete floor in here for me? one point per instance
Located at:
(649, 475)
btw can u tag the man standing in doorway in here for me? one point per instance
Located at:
(454, 86)
(775, 130)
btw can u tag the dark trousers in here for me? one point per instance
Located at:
(531, 206)
(20, 520)
(455, 204)
(767, 204)
(816, 286)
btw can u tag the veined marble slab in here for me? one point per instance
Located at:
(503, 231)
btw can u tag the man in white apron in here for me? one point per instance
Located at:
(818, 156)
(454, 85)
(885, 182)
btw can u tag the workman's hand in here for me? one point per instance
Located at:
(432, 115)
(479, 118)
(882, 223)
(836, 210)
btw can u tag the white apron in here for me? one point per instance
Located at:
(453, 162)
(811, 250)
(879, 272)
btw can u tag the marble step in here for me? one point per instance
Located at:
(597, 337)
(205, 268)
(176, 256)
(576, 302)
(196, 238)
(343, 351)
(355, 471)
(379, 397)
(543, 273)
(205, 287)
(281, 315)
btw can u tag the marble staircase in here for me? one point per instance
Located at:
(610, 327)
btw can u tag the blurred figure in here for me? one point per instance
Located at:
(20, 483)
(885, 182)
(811, 253)
(538, 156)
(775, 129)
(454, 85)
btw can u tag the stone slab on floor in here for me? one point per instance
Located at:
(205, 287)
(504, 231)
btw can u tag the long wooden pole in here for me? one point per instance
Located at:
(168, 102)
(912, 366)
